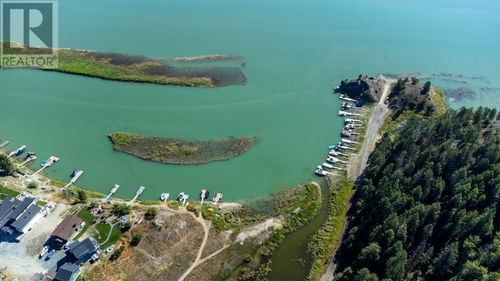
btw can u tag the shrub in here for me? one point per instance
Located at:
(136, 238)
(32, 185)
(150, 213)
(82, 196)
(121, 209)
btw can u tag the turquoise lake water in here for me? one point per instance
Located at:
(295, 51)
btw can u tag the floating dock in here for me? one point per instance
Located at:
(138, 193)
(4, 144)
(350, 120)
(348, 141)
(202, 195)
(343, 97)
(346, 113)
(78, 174)
(112, 192)
(183, 197)
(48, 163)
(29, 159)
(217, 198)
(164, 197)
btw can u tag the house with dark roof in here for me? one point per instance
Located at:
(66, 229)
(18, 215)
(82, 251)
(67, 272)
(27, 219)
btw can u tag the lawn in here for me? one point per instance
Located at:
(41, 203)
(89, 220)
(103, 230)
(8, 192)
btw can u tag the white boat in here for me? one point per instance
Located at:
(164, 196)
(182, 197)
(327, 166)
(44, 251)
(343, 97)
(333, 152)
(321, 172)
(18, 151)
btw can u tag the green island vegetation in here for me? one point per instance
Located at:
(427, 206)
(175, 151)
(129, 68)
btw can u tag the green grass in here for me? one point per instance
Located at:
(89, 220)
(116, 234)
(8, 192)
(41, 203)
(438, 98)
(326, 240)
(102, 231)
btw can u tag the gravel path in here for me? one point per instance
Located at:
(358, 163)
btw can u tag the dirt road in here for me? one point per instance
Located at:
(358, 163)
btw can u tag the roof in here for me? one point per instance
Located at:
(66, 271)
(67, 227)
(6, 206)
(26, 217)
(13, 209)
(83, 248)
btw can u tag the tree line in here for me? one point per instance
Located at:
(427, 206)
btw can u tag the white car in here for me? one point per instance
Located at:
(110, 249)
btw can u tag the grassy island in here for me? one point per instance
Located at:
(129, 68)
(175, 151)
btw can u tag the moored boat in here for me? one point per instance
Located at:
(164, 196)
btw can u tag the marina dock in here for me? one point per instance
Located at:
(75, 178)
(137, 194)
(4, 144)
(346, 113)
(48, 163)
(112, 192)
(29, 159)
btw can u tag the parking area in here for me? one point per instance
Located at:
(20, 259)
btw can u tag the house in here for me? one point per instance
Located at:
(18, 215)
(66, 229)
(27, 219)
(82, 251)
(67, 272)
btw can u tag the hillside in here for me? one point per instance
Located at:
(426, 207)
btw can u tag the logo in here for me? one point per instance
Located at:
(29, 34)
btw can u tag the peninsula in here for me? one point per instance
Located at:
(131, 68)
(175, 151)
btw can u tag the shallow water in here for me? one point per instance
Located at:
(295, 51)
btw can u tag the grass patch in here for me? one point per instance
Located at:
(326, 240)
(8, 192)
(116, 234)
(102, 232)
(437, 96)
(41, 203)
(88, 218)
